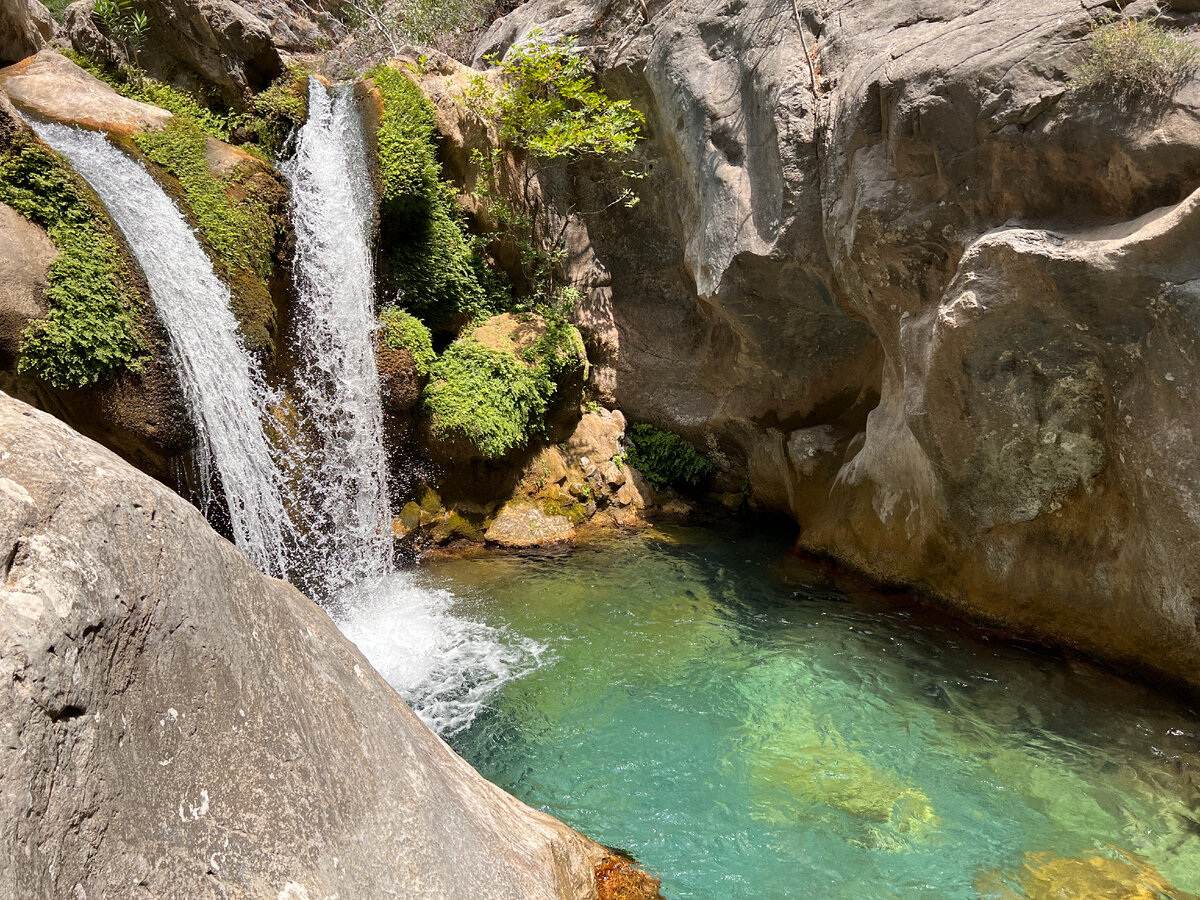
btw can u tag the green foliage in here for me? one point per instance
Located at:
(92, 330)
(666, 459)
(402, 331)
(429, 264)
(278, 111)
(58, 9)
(1135, 58)
(487, 396)
(241, 233)
(123, 23)
(551, 106)
(494, 399)
(447, 25)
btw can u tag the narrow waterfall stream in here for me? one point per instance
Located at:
(222, 382)
(341, 478)
(444, 665)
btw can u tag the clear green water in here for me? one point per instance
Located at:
(751, 730)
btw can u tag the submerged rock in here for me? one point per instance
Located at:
(177, 724)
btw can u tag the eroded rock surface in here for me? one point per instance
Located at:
(942, 233)
(179, 725)
(25, 28)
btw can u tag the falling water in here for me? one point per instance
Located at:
(444, 664)
(341, 479)
(222, 383)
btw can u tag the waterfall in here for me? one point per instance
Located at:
(222, 383)
(340, 476)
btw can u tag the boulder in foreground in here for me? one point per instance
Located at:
(178, 725)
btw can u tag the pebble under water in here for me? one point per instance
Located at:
(751, 728)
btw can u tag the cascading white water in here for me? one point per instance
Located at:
(222, 383)
(341, 478)
(444, 665)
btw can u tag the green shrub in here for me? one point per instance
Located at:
(487, 396)
(403, 331)
(236, 221)
(92, 330)
(551, 106)
(428, 263)
(495, 399)
(666, 459)
(1135, 58)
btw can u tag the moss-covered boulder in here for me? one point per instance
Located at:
(490, 391)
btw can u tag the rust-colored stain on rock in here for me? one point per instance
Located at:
(619, 878)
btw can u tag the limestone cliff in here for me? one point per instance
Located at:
(925, 297)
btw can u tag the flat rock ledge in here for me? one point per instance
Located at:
(176, 724)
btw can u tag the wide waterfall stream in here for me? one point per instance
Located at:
(223, 383)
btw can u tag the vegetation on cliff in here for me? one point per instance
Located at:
(497, 398)
(235, 215)
(1131, 58)
(666, 459)
(92, 330)
(428, 264)
(400, 330)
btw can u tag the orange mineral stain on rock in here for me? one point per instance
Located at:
(619, 878)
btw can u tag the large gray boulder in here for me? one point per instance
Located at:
(26, 26)
(943, 234)
(176, 724)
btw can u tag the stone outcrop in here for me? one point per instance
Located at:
(236, 47)
(26, 26)
(52, 87)
(179, 725)
(25, 254)
(941, 233)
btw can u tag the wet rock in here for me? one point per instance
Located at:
(217, 733)
(400, 383)
(521, 524)
(52, 87)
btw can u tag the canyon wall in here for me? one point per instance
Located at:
(940, 306)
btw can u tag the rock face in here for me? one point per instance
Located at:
(944, 234)
(234, 47)
(25, 28)
(25, 254)
(177, 724)
(52, 87)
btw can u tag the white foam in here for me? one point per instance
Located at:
(445, 666)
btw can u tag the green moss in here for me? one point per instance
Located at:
(234, 217)
(269, 117)
(92, 330)
(403, 331)
(428, 262)
(486, 396)
(666, 459)
(575, 512)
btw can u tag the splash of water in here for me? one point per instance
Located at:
(444, 665)
(222, 383)
(340, 475)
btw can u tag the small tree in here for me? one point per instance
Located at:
(550, 110)
(124, 24)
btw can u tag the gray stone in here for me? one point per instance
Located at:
(26, 26)
(521, 524)
(178, 725)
